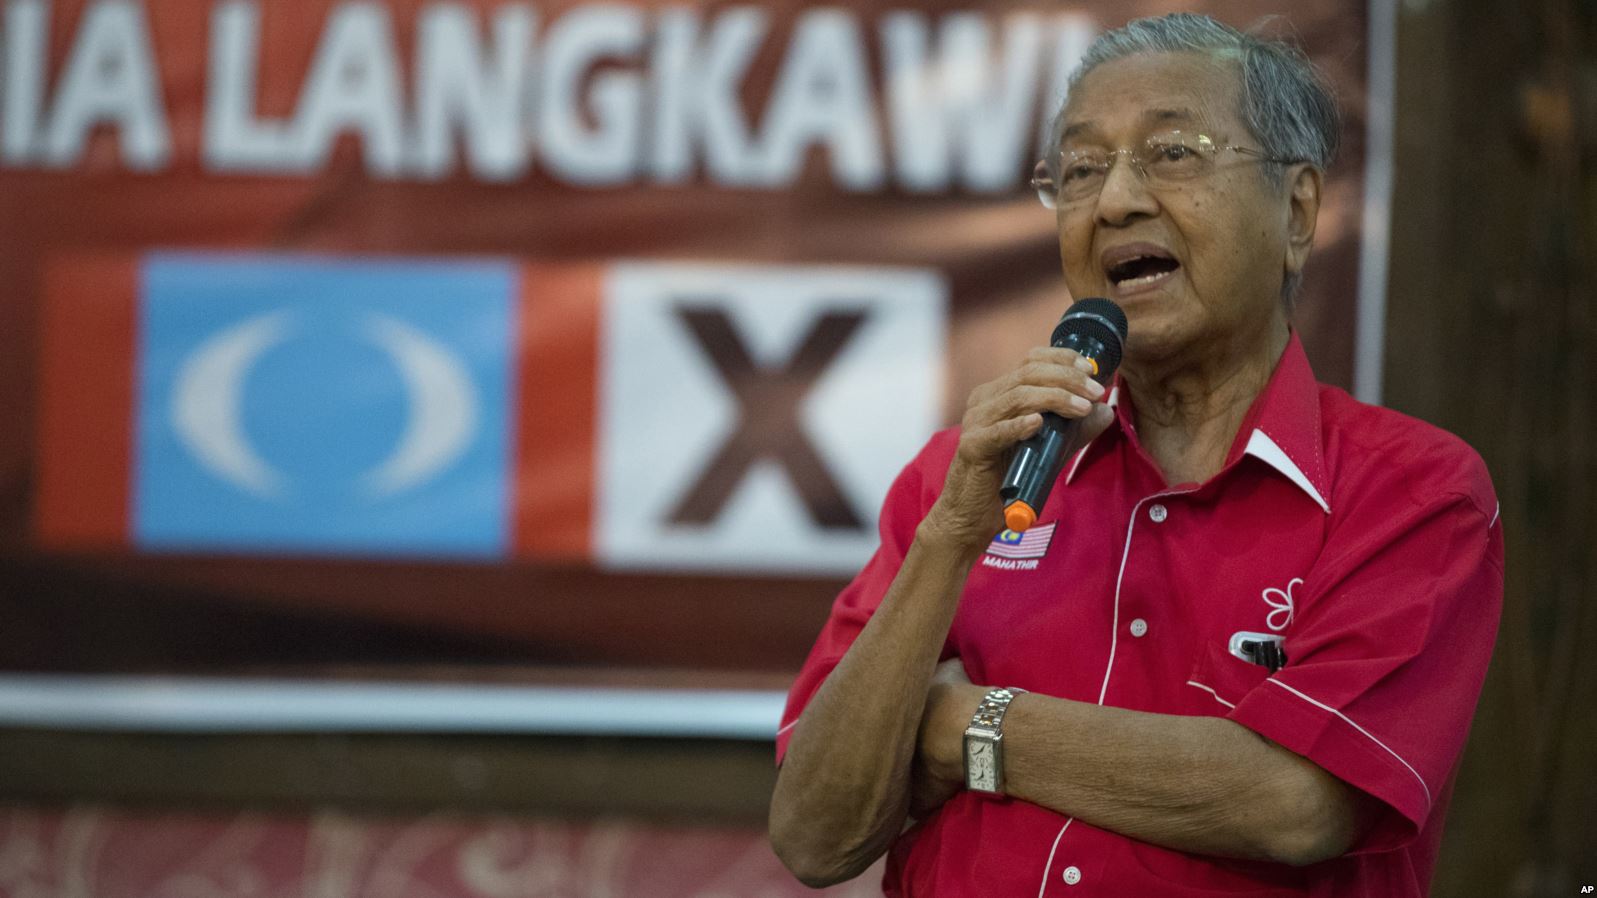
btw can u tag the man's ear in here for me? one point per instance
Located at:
(1303, 210)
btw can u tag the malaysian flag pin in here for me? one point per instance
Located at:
(1031, 544)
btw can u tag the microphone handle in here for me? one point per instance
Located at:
(1037, 461)
(1039, 457)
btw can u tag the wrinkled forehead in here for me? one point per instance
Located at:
(1134, 96)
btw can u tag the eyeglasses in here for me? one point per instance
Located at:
(1165, 160)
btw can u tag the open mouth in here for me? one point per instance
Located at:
(1141, 270)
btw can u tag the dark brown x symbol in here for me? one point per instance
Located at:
(768, 423)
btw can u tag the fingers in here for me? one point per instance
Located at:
(1000, 414)
(1042, 365)
(992, 440)
(1026, 398)
(1060, 354)
(951, 671)
(1068, 393)
(1050, 366)
(1096, 422)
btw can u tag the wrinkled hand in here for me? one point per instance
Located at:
(1000, 414)
(939, 770)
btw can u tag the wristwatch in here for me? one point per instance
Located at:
(984, 742)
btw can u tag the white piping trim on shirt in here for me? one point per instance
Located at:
(1495, 512)
(1114, 632)
(1076, 462)
(788, 727)
(1114, 638)
(1049, 865)
(1263, 448)
(1125, 554)
(1366, 733)
(1211, 692)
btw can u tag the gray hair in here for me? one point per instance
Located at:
(1286, 103)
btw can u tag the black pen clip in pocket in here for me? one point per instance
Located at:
(1267, 650)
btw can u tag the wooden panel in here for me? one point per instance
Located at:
(1492, 335)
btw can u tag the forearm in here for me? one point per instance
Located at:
(1203, 785)
(1199, 784)
(844, 787)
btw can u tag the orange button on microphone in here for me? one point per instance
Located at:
(1018, 516)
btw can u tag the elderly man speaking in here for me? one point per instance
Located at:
(1247, 654)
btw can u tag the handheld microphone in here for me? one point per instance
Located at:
(1096, 329)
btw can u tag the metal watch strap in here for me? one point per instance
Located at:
(990, 713)
(983, 742)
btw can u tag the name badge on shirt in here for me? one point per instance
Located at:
(1010, 550)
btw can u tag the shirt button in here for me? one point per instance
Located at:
(1158, 513)
(1072, 876)
(1139, 628)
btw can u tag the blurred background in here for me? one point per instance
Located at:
(435, 432)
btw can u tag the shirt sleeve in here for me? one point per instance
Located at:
(1388, 653)
(907, 502)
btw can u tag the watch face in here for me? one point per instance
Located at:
(979, 770)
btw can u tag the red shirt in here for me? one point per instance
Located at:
(1368, 539)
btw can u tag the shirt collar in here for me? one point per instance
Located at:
(1282, 427)
(1286, 432)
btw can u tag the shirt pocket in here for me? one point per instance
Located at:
(1220, 679)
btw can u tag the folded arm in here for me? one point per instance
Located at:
(845, 786)
(843, 791)
(1204, 785)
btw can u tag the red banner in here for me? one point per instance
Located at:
(382, 336)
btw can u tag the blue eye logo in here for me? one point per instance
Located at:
(324, 406)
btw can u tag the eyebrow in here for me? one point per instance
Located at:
(1151, 116)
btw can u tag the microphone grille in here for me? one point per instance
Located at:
(1099, 319)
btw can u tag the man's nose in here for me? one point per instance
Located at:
(1125, 194)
